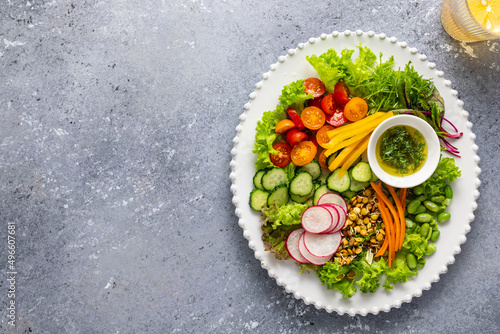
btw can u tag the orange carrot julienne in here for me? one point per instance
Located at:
(401, 217)
(393, 213)
(386, 218)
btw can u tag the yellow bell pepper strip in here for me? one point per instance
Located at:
(344, 155)
(349, 130)
(347, 142)
(363, 145)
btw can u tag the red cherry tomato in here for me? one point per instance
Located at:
(328, 104)
(295, 118)
(314, 86)
(283, 157)
(336, 119)
(312, 138)
(315, 102)
(296, 137)
(341, 93)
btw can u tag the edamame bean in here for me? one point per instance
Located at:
(418, 190)
(446, 202)
(423, 218)
(429, 234)
(420, 209)
(431, 206)
(422, 198)
(421, 263)
(437, 199)
(435, 234)
(411, 261)
(424, 229)
(431, 248)
(448, 192)
(409, 223)
(413, 206)
(443, 217)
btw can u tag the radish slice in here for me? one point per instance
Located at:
(308, 256)
(292, 245)
(342, 218)
(322, 245)
(333, 198)
(335, 215)
(316, 219)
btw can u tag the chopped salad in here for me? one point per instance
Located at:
(321, 204)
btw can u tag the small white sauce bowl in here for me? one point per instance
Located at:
(433, 151)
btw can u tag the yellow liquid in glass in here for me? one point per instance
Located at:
(487, 13)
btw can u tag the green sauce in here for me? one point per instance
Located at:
(401, 150)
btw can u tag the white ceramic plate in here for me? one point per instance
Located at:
(307, 286)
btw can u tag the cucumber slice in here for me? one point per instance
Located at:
(338, 183)
(312, 168)
(320, 191)
(302, 199)
(258, 199)
(273, 178)
(257, 179)
(361, 172)
(301, 184)
(357, 186)
(278, 196)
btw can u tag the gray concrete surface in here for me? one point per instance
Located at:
(116, 125)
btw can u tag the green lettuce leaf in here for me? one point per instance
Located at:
(275, 240)
(333, 275)
(415, 244)
(369, 281)
(265, 137)
(399, 273)
(330, 66)
(284, 215)
(446, 172)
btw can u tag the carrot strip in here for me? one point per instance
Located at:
(382, 249)
(394, 215)
(401, 217)
(386, 218)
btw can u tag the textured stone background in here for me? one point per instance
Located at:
(116, 126)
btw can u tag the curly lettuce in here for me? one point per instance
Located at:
(446, 172)
(283, 215)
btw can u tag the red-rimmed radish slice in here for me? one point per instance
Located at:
(333, 198)
(319, 261)
(322, 245)
(316, 219)
(335, 215)
(292, 245)
(342, 218)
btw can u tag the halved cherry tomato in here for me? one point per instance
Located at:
(313, 118)
(295, 118)
(355, 109)
(314, 86)
(312, 138)
(303, 153)
(295, 137)
(283, 157)
(341, 93)
(322, 135)
(283, 126)
(328, 104)
(316, 102)
(336, 119)
(322, 160)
